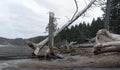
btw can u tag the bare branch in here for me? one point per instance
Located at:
(67, 17)
(99, 3)
(76, 9)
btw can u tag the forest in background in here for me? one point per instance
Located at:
(80, 33)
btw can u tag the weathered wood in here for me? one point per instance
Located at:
(50, 51)
(66, 47)
(69, 46)
(114, 43)
(107, 15)
(51, 29)
(107, 42)
(40, 45)
(108, 49)
(87, 45)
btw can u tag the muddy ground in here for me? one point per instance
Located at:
(80, 59)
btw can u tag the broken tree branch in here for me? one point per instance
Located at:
(76, 9)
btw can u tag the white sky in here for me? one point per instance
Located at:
(28, 18)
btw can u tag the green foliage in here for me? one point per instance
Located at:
(95, 26)
(80, 33)
(37, 39)
(115, 17)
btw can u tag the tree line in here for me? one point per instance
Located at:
(82, 32)
(115, 17)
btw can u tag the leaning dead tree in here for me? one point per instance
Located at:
(106, 42)
(39, 46)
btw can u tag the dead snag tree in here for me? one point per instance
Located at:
(50, 51)
(107, 15)
(40, 45)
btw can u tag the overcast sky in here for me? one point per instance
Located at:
(28, 18)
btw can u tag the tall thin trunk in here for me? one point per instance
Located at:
(107, 16)
(51, 32)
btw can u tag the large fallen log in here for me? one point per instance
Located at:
(40, 45)
(108, 50)
(106, 42)
(86, 45)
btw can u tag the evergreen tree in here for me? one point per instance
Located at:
(95, 26)
(80, 33)
(115, 17)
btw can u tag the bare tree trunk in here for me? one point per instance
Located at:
(40, 45)
(107, 16)
(51, 36)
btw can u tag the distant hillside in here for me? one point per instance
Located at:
(37, 39)
(3, 40)
(17, 41)
(20, 41)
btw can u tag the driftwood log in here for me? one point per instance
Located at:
(106, 42)
(39, 46)
(66, 47)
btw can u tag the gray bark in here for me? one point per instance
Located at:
(107, 16)
(51, 32)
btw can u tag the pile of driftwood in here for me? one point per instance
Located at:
(66, 47)
(106, 42)
(50, 52)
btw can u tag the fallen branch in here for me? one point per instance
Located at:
(108, 49)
